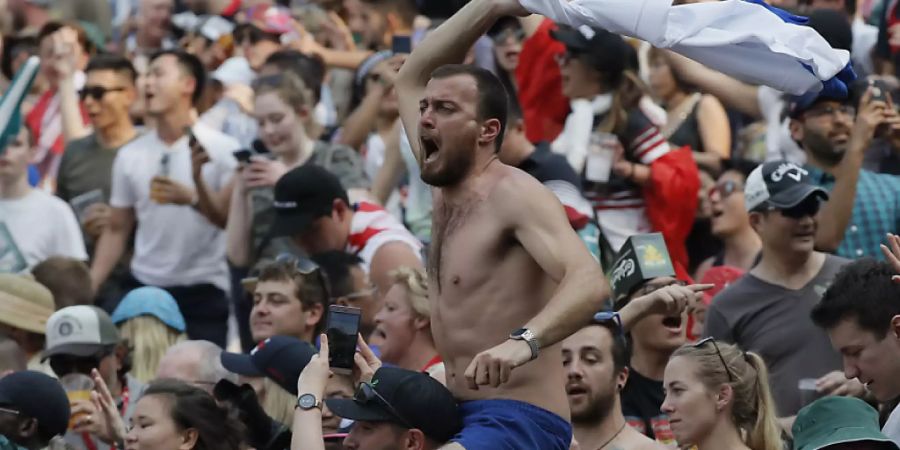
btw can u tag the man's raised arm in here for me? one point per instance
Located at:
(448, 44)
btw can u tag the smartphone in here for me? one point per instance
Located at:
(243, 155)
(342, 328)
(879, 92)
(258, 147)
(401, 44)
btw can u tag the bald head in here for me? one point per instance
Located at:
(194, 362)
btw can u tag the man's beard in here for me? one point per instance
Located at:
(454, 168)
(822, 148)
(597, 409)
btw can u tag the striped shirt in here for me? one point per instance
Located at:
(371, 228)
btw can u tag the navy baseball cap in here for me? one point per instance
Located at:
(404, 397)
(36, 395)
(780, 184)
(303, 195)
(280, 358)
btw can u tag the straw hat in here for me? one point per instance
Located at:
(24, 303)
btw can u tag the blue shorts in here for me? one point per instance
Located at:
(512, 425)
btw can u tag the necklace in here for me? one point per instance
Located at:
(613, 437)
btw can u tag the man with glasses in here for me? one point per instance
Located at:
(85, 172)
(83, 340)
(767, 310)
(350, 286)
(596, 359)
(290, 298)
(863, 205)
(34, 409)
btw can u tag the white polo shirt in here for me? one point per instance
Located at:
(175, 245)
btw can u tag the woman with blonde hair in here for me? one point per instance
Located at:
(404, 325)
(718, 397)
(150, 322)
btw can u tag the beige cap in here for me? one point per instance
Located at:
(24, 303)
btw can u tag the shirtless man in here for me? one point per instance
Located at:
(510, 277)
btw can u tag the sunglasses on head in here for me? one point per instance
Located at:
(367, 394)
(96, 92)
(703, 342)
(808, 207)
(609, 318)
(305, 266)
(725, 189)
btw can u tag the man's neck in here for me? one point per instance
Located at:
(596, 435)
(418, 354)
(521, 153)
(462, 190)
(743, 246)
(14, 188)
(649, 363)
(791, 270)
(145, 42)
(170, 127)
(819, 164)
(116, 135)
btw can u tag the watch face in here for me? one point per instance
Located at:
(517, 333)
(307, 401)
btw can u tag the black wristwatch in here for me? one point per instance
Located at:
(524, 334)
(307, 402)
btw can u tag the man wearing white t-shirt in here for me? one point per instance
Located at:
(34, 225)
(313, 209)
(176, 193)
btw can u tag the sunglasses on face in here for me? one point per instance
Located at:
(65, 364)
(367, 394)
(96, 92)
(725, 189)
(9, 411)
(808, 207)
(703, 342)
(517, 34)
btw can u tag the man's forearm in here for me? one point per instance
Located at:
(109, 251)
(450, 42)
(360, 122)
(839, 207)
(209, 206)
(577, 298)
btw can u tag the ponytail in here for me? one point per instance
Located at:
(765, 434)
(627, 94)
(752, 406)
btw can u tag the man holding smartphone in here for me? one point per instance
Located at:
(509, 277)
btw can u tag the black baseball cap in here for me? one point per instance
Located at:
(303, 195)
(415, 400)
(37, 395)
(780, 184)
(280, 358)
(604, 51)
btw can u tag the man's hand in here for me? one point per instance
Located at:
(366, 362)
(263, 172)
(96, 219)
(892, 254)
(167, 191)
(494, 366)
(671, 300)
(65, 51)
(388, 69)
(315, 375)
(835, 383)
(199, 157)
(871, 114)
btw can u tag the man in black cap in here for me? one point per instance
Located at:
(314, 210)
(768, 309)
(34, 408)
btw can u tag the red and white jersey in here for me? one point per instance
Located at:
(373, 227)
